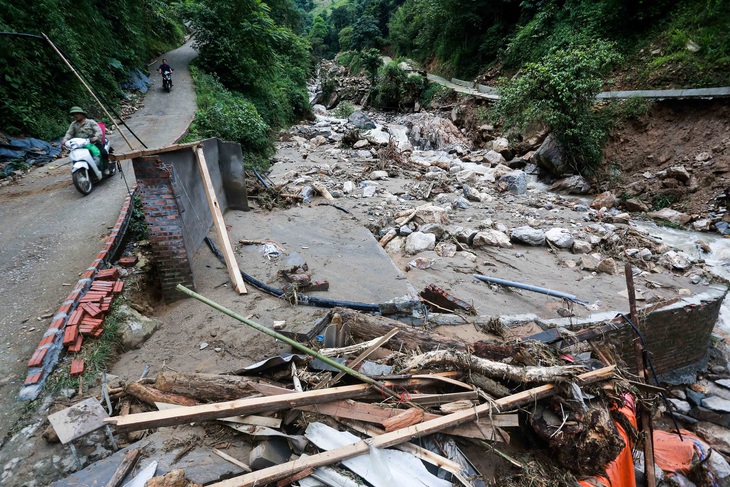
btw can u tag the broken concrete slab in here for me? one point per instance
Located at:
(78, 420)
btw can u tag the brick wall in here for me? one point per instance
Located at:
(677, 336)
(155, 181)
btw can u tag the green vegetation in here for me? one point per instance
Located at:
(559, 93)
(138, 229)
(395, 89)
(344, 110)
(229, 116)
(103, 41)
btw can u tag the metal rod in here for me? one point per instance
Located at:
(381, 387)
(88, 89)
(529, 287)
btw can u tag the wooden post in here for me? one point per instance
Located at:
(220, 225)
(644, 418)
(88, 89)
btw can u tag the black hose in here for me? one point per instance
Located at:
(303, 299)
(261, 180)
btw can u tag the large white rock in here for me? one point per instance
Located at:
(675, 260)
(135, 328)
(560, 237)
(716, 436)
(582, 247)
(491, 238)
(495, 158)
(682, 407)
(418, 242)
(717, 404)
(671, 216)
(528, 235)
(516, 181)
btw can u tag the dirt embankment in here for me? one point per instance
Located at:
(694, 134)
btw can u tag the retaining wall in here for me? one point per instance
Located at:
(176, 207)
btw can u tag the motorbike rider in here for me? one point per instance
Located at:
(86, 128)
(164, 67)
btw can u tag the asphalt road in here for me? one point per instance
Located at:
(50, 233)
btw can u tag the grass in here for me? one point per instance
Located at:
(324, 5)
(344, 110)
(98, 355)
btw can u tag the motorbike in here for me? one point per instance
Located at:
(167, 81)
(86, 168)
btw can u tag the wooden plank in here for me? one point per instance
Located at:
(248, 420)
(404, 418)
(220, 225)
(232, 460)
(240, 407)
(130, 459)
(278, 472)
(151, 152)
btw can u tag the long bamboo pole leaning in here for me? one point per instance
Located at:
(354, 373)
(88, 89)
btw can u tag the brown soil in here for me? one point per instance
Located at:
(673, 134)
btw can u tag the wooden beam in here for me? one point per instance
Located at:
(151, 152)
(278, 472)
(232, 460)
(220, 225)
(130, 459)
(240, 407)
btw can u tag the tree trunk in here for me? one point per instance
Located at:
(204, 387)
(151, 395)
(464, 361)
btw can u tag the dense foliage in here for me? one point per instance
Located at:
(229, 116)
(253, 49)
(559, 93)
(103, 40)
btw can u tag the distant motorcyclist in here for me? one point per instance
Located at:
(86, 128)
(164, 68)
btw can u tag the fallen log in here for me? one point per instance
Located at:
(130, 459)
(278, 472)
(366, 327)
(240, 407)
(209, 387)
(151, 395)
(465, 361)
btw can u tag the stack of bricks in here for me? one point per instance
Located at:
(88, 318)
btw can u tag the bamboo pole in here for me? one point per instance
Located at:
(88, 89)
(354, 373)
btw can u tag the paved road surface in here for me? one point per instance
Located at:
(49, 233)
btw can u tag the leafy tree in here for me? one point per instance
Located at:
(344, 38)
(371, 62)
(318, 37)
(559, 92)
(395, 89)
(366, 34)
(342, 17)
(251, 53)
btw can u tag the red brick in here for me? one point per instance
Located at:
(76, 317)
(76, 347)
(91, 309)
(77, 367)
(88, 274)
(111, 274)
(91, 321)
(98, 332)
(37, 359)
(57, 323)
(70, 335)
(65, 309)
(46, 341)
(33, 379)
(101, 255)
(118, 287)
(128, 261)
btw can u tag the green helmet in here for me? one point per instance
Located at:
(77, 110)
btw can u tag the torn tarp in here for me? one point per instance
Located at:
(137, 81)
(29, 150)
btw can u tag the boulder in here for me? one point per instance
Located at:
(604, 200)
(582, 247)
(360, 144)
(501, 145)
(361, 121)
(379, 175)
(671, 216)
(377, 136)
(702, 225)
(333, 100)
(682, 407)
(471, 194)
(608, 266)
(395, 246)
(135, 327)
(418, 242)
(317, 141)
(572, 185)
(679, 173)
(560, 237)
(675, 261)
(589, 263)
(491, 238)
(348, 187)
(433, 228)
(431, 214)
(528, 235)
(550, 157)
(495, 158)
(716, 436)
(635, 205)
(717, 404)
(429, 132)
(515, 182)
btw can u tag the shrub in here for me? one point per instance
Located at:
(344, 110)
(396, 89)
(559, 93)
(229, 116)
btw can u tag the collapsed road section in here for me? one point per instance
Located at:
(406, 366)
